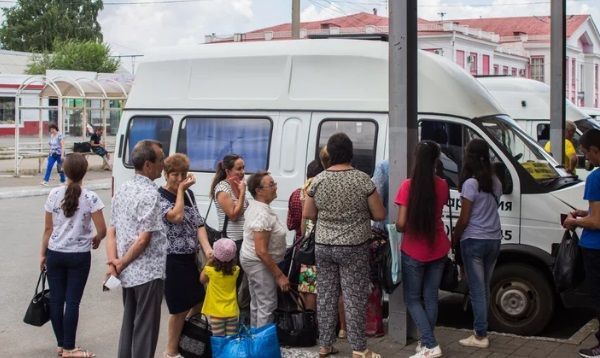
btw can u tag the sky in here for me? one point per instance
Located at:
(134, 27)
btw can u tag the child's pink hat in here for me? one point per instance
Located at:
(224, 250)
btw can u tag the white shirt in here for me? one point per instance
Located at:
(260, 217)
(136, 209)
(72, 234)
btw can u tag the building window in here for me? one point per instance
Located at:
(537, 68)
(7, 110)
(473, 63)
(206, 140)
(496, 70)
(460, 58)
(486, 65)
(522, 72)
(513, 72)
(505, 70)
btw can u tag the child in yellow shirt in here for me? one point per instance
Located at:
(220, 303)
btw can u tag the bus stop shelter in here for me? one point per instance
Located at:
(74, 104)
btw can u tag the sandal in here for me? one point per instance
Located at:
(77, 353)
(167, 355)
(59, 351)
(326, 352)
(364, 354)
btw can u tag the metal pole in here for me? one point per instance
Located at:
(295, 19)
(557, 78)
(40, 132)
(402, 127)
(17, 133)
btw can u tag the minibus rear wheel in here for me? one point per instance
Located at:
(521, 300)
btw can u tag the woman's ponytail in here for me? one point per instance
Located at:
(75, 167)
(70, 203)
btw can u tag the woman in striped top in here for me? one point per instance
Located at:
(229, 192)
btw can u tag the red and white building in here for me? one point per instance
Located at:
(513, 46)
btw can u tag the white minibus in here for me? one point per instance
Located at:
(277, 102)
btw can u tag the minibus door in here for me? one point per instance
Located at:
(453, 135)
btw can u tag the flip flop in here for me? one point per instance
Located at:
(331, 351)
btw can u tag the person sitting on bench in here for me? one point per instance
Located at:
(98, 147)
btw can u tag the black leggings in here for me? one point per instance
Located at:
(67, 275)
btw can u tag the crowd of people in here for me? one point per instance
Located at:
(156, 233)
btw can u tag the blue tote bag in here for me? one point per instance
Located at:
(254, 343)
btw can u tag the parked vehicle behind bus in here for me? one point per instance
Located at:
(277, 102)
(528, 103)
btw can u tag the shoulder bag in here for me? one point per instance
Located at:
(296, 325)
(306, 249)
(38, 312)
(450, 275)
(213, 234)
(195, 337)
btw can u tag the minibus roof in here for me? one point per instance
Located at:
(312, 75)
(526, 99)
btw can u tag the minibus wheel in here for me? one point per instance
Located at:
(521, 300)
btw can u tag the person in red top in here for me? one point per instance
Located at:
(425, 244)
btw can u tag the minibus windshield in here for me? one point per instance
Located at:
(539, 164)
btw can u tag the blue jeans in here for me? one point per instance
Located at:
(479, 257)
(54, 158)
(421, 282)
(67, 276)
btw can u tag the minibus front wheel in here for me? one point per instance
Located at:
(521, 299)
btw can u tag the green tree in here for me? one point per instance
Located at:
(74, 55)
(35, 25)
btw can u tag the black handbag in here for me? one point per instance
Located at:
(305, 254)
(568, 269)
(296, 326)
(38, 312)
(194, 341)
(450, 275)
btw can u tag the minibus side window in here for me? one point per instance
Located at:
(148, 127)
(206, 140)
(363, 134)
(543, 133)
(453, 139)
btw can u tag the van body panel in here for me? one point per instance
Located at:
(309, 75)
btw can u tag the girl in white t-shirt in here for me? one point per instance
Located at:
(65, 255)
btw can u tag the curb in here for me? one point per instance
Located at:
(27, 191)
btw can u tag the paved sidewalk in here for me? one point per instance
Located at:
(29, 184)
(501, 345)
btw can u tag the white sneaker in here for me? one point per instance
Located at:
(471, 341)
(429, 352)
(419, 347)
(44, 183)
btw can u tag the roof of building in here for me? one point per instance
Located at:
(530, 25)
(355, 20)
(14, 62)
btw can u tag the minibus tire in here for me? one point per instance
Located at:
(521, 300)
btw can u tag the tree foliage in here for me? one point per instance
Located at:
(36, 25)
(74, 55)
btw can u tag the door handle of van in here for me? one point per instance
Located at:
(121, 145)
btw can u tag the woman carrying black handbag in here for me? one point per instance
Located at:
(70, 211)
